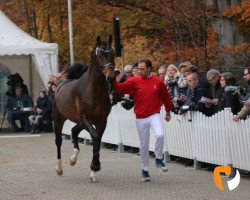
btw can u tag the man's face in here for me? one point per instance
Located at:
(129, 73)
(213, 80)
(162, 73)
(18, 92)
(144, 71)
(136, 72)
(191, 81)
(246, 75)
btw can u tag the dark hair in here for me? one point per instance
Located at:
(117, 72)
(135, 65)
(192, 69)
(229, 78)
(18, 88)
(44, 92)
(248, 69)
(147, 62)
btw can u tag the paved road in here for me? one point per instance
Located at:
(27, 172)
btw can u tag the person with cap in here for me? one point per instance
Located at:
(127, 73)
(42, 110)
(213, 76)
(149, 93)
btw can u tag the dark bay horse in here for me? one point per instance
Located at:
(86, 102)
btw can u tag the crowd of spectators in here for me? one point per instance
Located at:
(33, 116)
(189, 90)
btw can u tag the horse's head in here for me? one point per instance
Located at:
(105, 57)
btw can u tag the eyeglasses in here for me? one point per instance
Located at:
(210, 80)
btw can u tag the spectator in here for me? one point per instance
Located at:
(127, 73)
(52, 80)
(51, 94)
(195, 93)
(42, 112)
(244, 98)
(135, 70)
(171, 80)
(182, 81)
(203, 82)
(17, 103)
(229, 98)
(149, 93)
(246, 95)
(162, 71)
(213, 77)
(115, 98)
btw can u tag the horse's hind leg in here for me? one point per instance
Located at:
(75, 132)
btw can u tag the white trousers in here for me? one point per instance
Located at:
(143, 127)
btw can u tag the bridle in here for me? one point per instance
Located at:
(108, 65)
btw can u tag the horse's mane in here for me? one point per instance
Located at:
(76, 70)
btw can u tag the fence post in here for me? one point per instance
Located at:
(120, 148)
(227, 121)
(166, 156)
(197, 164)
(86, 141)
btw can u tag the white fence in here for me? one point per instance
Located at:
(217, 139)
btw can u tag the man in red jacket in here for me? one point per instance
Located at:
(149, 93)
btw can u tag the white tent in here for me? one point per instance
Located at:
(14, 41)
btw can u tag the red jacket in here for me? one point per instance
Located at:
(149, 94)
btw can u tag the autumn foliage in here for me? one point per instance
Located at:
(165, 31)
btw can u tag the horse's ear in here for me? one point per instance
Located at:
(98, 41)
(110, 39)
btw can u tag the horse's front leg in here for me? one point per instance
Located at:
(95, 164)
(75, 132)
(58, 140)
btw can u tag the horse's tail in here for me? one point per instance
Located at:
(76, 70)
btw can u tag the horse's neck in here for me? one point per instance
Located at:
(94, 72)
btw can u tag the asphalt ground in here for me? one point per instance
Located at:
(27, 172)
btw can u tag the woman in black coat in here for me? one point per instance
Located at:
(229, 95)
(42, 109)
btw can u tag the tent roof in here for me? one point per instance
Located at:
(13, 40)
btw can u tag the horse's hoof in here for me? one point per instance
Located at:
(94, 179)
(59, 173)
(72, 163)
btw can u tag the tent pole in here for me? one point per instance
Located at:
(70, 33)
(30, 74)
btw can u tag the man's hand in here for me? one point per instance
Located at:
(247, 104)
(236, 118)
(126, 97)
(216, 101)
(208, 105)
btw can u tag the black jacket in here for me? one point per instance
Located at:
(194, 97)
(43, 104)
(22, 101)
